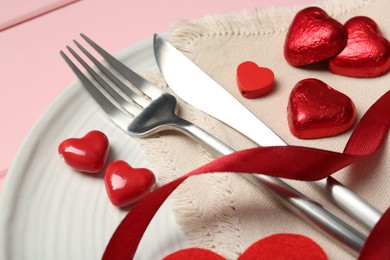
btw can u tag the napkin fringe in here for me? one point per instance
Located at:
(229, 240)
(271, 21)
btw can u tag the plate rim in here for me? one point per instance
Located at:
(15, 172)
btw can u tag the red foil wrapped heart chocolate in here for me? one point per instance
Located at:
(86, 154)
(316, 110)
(313, 36)
(367, 53)
(254, 81)
(126, 185)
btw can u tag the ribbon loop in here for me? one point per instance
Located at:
(292, 162)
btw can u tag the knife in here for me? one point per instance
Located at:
(190, 84)
(188, 81)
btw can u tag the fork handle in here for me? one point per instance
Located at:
(309, 210)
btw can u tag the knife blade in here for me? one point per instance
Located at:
(190, 83)
(235, 114)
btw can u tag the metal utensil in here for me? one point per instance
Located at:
(189, 82)
(158, 112)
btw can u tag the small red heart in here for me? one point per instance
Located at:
(313, 36)
(254, 81)
(194, 254)
(367, 53)
(87, 154)
(278, 246)
(126, 185)
(316, 110)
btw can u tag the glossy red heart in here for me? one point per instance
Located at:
(313, 36)
(316, 110)
(126, 185)
(86, 154)
(367, 53)
(254, 81)
(278, 246)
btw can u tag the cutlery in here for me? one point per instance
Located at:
(142, 117)
(189, 82)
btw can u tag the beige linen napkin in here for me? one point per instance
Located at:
(223, 212)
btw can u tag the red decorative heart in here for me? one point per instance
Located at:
(194, 254)
(126, 185)
(367, 53)
(254, 81)
(313, 36)
(278, 246)
(87, 154)
(316, 110)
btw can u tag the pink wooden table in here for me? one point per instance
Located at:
(32, 71)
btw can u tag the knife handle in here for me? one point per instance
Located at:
(309, 210)
(313, 213)
(350, 201)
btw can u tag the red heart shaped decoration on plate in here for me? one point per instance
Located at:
(316, 110)
(254, 81)
(313, 36)
(86, 154)
(194, 254)
(278, 246)
(126, 185)
(367, 53)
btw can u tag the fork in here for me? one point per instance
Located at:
(142, 109)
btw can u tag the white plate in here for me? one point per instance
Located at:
(48, 211)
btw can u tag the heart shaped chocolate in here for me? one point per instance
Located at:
(313, 36)
(87, 154)
(254, 81)
(316, 110)
(278, 246)
(126, 185)
(367, 53)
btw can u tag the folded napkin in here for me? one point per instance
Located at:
(224, 212)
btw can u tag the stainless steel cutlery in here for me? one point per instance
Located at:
(141, 109)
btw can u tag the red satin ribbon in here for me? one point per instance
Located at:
(291, 162)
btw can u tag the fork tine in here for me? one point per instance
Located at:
(139, 82)
(131, 94)
(118, 98)
(114, 113)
